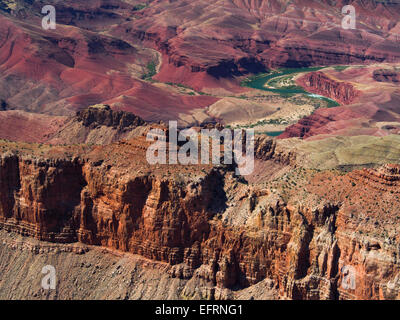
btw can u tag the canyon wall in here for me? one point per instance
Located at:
(205, 223)
(320, 83)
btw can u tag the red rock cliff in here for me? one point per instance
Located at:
(319, 83)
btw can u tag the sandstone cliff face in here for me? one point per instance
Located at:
(308, 126)
(320, 83)
(207, 225)
(385, 75)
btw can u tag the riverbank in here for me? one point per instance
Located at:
(282, 82)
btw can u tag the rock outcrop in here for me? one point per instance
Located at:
(322, 121)
(266, 148)
(103, 115)
(320, 83)
(249, 37)
(71, 68)
(305, 225)
(368, 110)
(386, 75)
(98, 124)
(191, 219)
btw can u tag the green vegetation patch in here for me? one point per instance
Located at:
(151, 70)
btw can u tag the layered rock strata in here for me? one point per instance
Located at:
(205, 223)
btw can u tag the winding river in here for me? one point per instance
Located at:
(260, 82)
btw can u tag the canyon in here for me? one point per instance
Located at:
(206, 224)
(77, 192)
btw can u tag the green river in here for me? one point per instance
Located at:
(260, 82)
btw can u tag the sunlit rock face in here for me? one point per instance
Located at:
(207, 225)
(320, 209)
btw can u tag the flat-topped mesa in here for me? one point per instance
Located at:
(320, 83)
(103, 115)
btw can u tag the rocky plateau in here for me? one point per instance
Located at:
(77, 192)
